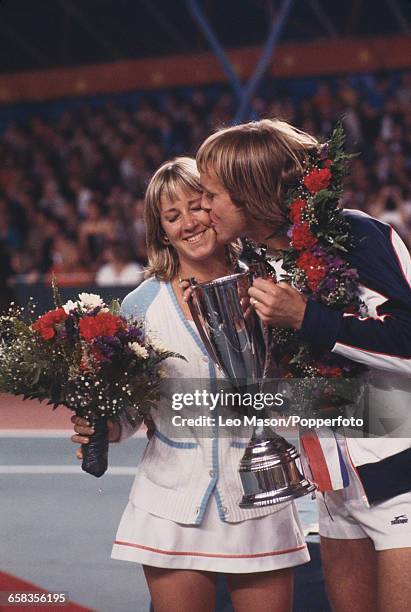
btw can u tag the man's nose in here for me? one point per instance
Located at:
(205, 203)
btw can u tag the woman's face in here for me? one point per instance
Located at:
(187, 226)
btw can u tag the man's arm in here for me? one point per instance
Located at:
(383, 340)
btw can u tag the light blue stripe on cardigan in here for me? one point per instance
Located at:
(136, 303)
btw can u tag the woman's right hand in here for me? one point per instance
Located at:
(84, 430)
(186, 288)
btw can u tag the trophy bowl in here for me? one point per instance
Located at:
(240, 346)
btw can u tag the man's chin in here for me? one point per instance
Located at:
(223, 236)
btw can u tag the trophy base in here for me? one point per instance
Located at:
(270, 473)
(269, 498)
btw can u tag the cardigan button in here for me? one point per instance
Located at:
(212, 473)
(224, 510)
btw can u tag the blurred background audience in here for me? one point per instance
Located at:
(71, 186)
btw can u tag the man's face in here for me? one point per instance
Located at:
(228, 220)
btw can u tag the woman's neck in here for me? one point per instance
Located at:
(202, 271)
(206, 270)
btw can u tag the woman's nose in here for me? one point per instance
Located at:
(189, 221)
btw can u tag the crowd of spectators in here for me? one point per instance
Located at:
(71, 188)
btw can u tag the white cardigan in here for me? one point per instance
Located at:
(177, 476)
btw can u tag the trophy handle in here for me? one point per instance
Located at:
(261, 269)
(194, 313)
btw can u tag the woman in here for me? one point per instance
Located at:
(183, 521)
(261, 180)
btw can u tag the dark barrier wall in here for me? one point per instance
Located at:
(43, 296)
(318, 58)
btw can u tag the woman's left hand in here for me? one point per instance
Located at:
(277, 304)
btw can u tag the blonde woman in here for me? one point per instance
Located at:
(183, 521)
(245, 172)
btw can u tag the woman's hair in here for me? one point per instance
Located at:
(177, 174)
(256, 162)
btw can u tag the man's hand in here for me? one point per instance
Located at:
(277, 304)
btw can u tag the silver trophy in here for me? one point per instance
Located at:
(240, 345)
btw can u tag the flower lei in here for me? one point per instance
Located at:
(316, 262)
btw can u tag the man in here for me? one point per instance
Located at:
(246, 172)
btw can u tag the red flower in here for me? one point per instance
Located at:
(314, 268)
(317, 179)
(102, 324)
(45, 325)
(296, 209)
(322, 370)
(302, 237)
(335, 372)
(327, 163)
(306, 261)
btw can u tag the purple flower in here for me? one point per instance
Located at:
(108, 346)
(335, 261)
(324, 151)
(62, 333)
(319, 251)
(134, 334)
(351, 274)
(330, 283)
(71, 326)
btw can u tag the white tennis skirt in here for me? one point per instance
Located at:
(261, 544)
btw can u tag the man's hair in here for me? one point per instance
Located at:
(256, 162)
(171, 177)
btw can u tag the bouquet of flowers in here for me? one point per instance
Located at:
(86, 356)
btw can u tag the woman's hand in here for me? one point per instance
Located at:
(84, 430)
(277, 304)
(151, 426)
(186, 288)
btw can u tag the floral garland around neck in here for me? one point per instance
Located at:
(316, 263)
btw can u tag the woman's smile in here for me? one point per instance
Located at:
(196, 237)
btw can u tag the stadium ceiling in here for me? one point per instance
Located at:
(43, 34)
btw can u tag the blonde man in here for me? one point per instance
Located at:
(245, 172)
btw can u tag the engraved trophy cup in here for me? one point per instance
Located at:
(240, 347)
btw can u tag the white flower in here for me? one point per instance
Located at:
(157, 346)
(89, 301)
(138, 350)
(69, 306)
